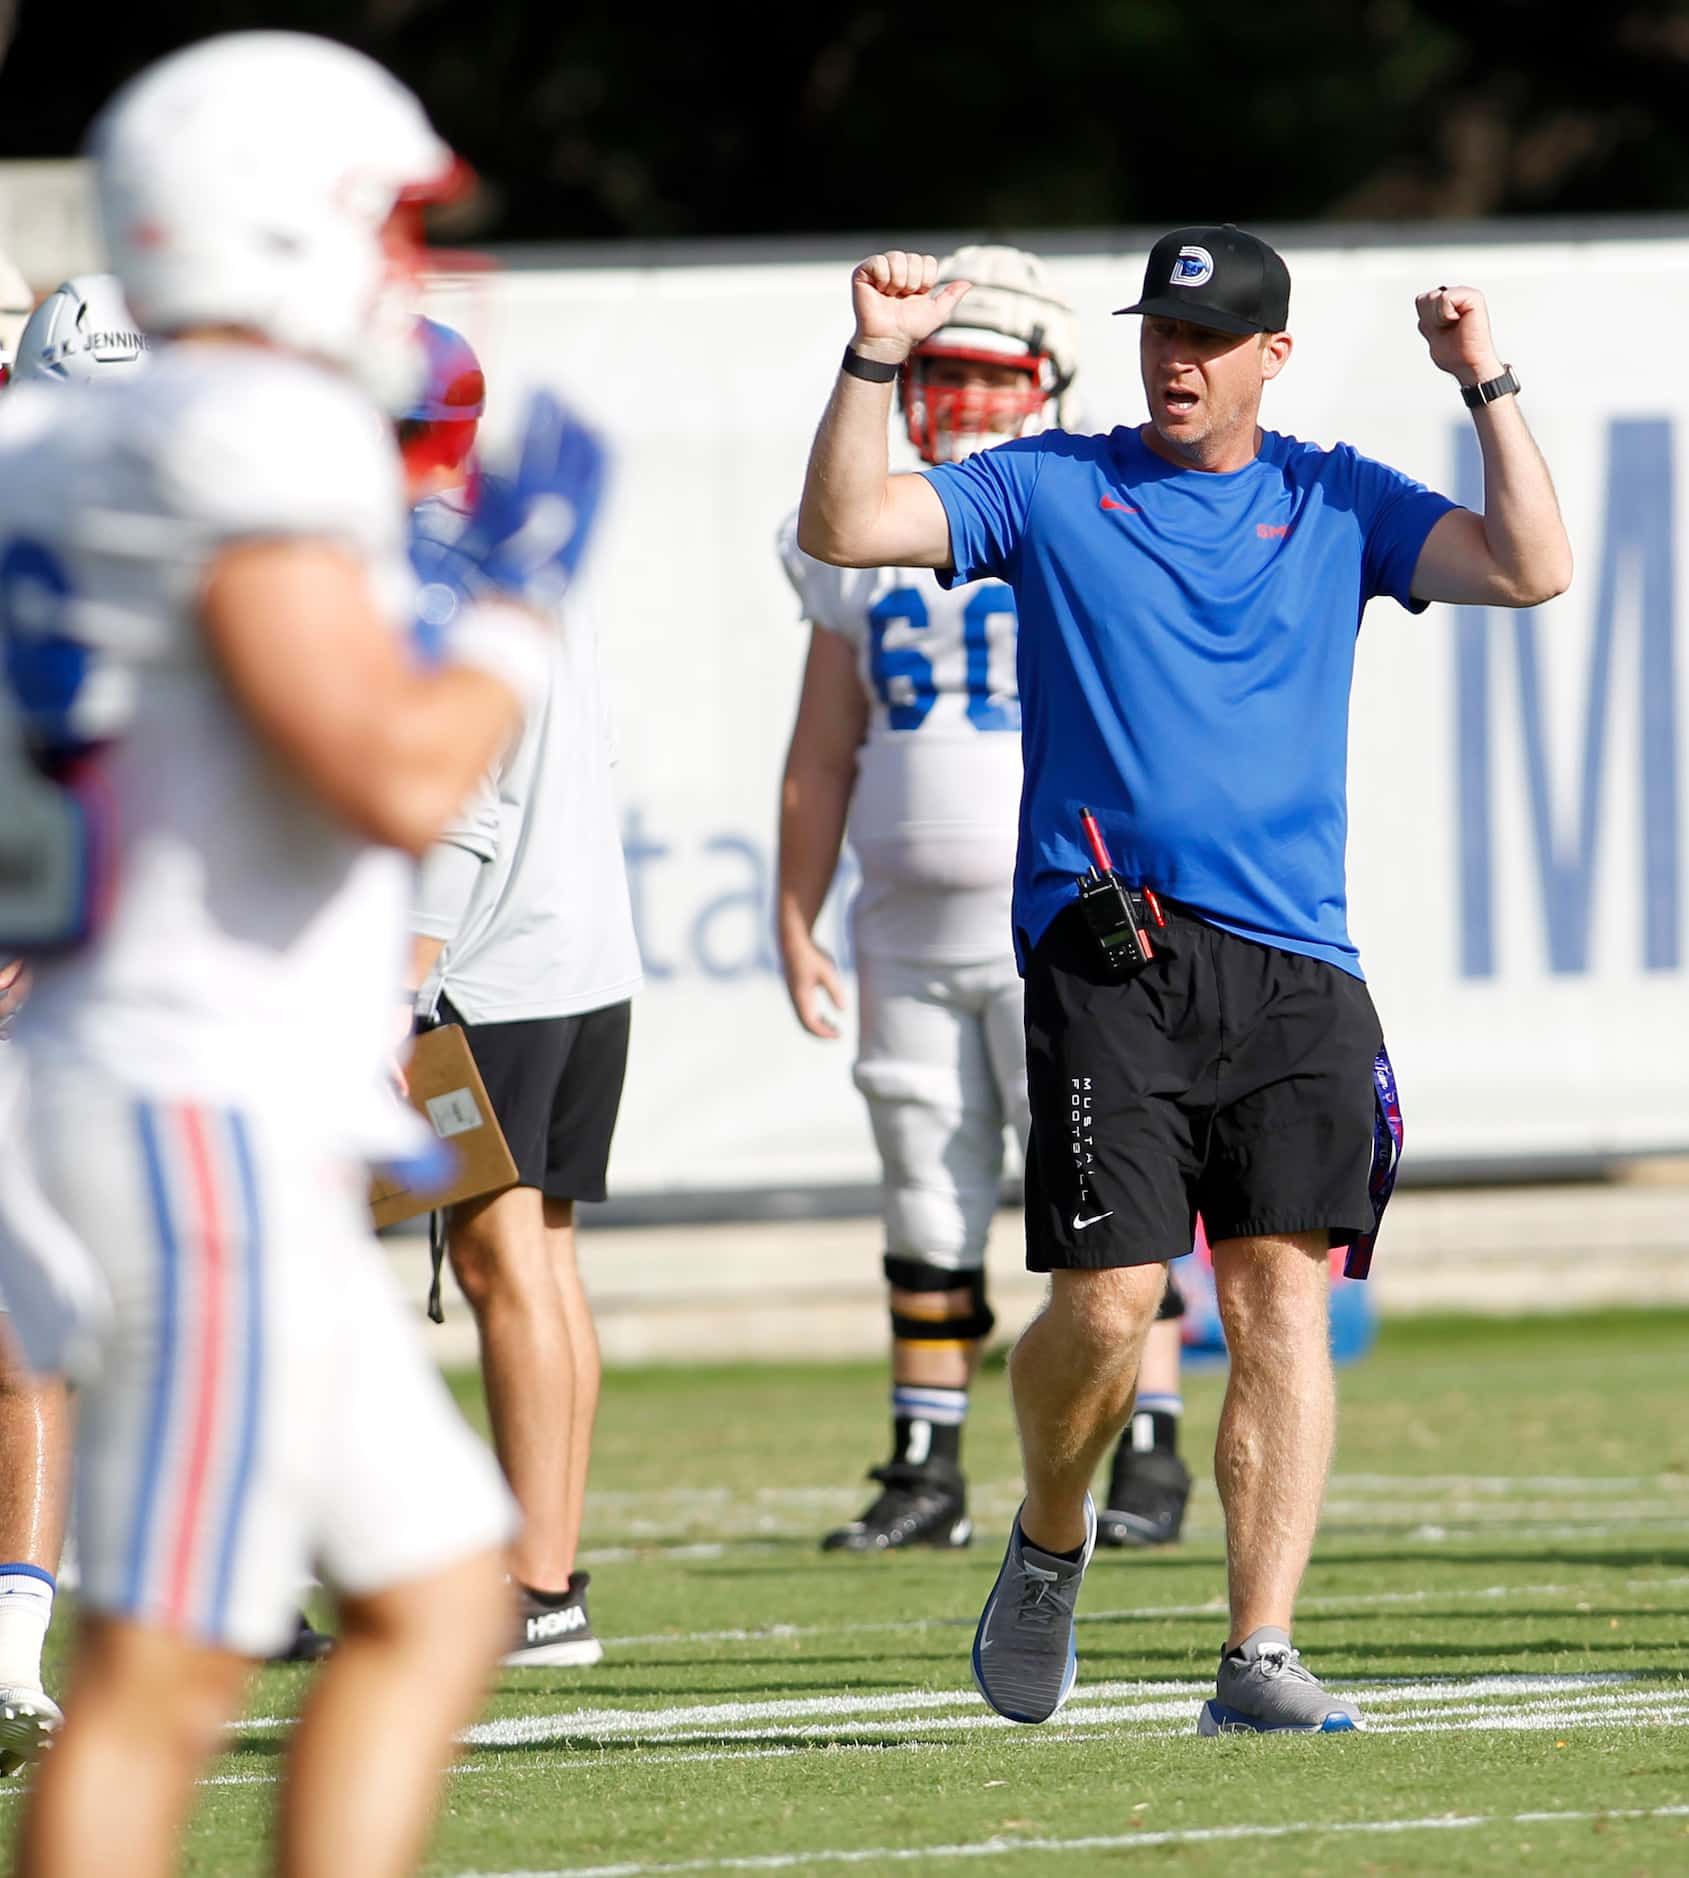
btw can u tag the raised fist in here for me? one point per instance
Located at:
(896, 307)
(1455, 324)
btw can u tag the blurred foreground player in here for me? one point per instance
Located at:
(80, 335)
(524, 935)
(908, 736)
(207, 600)
(34, 1475)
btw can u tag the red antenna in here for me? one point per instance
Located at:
(1094, 835)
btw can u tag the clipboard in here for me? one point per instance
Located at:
(447, 1092)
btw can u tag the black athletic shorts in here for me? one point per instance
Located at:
(1228, 1079)
(555, 1084)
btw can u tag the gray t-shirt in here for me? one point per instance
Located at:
(537, 919)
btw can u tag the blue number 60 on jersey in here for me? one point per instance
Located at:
(902, 674)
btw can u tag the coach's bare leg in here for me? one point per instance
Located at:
(1278, 1422)
(501, 1253)
(410, 1669)
(585, 1373)
(1073, 1373)
(145, 1712)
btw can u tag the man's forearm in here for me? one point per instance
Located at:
(814, 806)
(845, 483)
(425, 954)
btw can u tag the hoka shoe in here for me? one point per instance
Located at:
(925, 1505)
(554, 1633)
(1263, 1688)
(1024, 1658)
(29, 1719)
(1146, 1499)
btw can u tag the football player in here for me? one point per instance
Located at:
(206, 602)
(82, 334)
(907, 737)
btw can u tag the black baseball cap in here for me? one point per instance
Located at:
(1219, 277)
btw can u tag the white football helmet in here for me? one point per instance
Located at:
(1011, 317)
(16, 302)
(250, 181)
(82, 333)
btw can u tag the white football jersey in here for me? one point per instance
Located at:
(254, 945)
(936, 804)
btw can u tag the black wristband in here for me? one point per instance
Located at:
(874, 371)
(1477, 396)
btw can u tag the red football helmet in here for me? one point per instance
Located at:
(438, 431)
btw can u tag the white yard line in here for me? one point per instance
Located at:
(1426, 1522)
(783, 1730)
(816, 1722)
(1151, 1699)
(1365, 1600)
(622, 1499)
(999, 1847)
(1381, 1691)
(1179, 1715)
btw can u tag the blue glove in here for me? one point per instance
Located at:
(530, 526)
(445, 577)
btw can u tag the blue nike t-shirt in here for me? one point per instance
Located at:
(1187, 645)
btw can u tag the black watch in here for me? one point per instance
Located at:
(1490, 389)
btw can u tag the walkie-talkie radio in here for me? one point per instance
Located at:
(1119, 916)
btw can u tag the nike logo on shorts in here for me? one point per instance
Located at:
(1079, 1224)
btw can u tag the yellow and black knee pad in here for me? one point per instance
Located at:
(940, 1324)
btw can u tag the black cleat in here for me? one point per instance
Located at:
(1146, 1499)
(926, 1505)
(309, 1645)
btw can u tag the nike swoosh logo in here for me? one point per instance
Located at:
(1125, 508)
(1079, 1224)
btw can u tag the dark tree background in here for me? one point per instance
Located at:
(591, 122)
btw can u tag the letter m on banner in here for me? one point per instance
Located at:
(1637, 565)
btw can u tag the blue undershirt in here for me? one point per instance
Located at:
(1186, 649)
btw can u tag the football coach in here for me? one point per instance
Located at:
(1199, 1034)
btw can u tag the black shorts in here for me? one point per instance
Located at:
(555, 1084)
(1228, 1079)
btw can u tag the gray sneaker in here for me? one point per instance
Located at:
(1024, 1660)
(1264, 1689)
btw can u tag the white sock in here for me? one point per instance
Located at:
(26, 1609)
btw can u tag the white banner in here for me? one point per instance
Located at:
(1517, 781)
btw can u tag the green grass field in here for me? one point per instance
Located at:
(1502, 1577)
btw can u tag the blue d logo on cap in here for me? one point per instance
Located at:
(1192, 268)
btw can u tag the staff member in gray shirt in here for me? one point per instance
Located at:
(524, 934)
